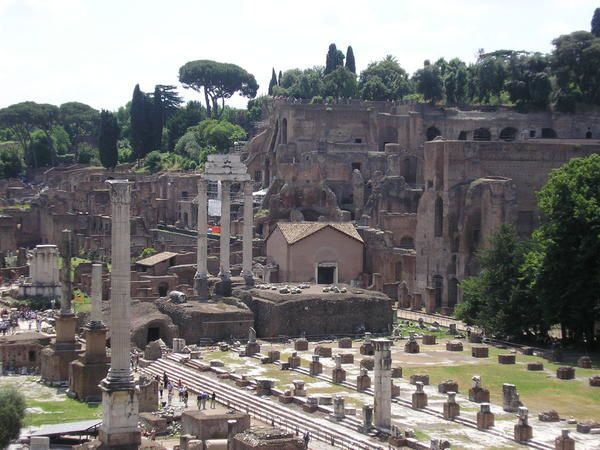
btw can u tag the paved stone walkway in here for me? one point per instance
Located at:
(445, 321)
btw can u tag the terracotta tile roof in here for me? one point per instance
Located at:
(155, 259)
(296, 231)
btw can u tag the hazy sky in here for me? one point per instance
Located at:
(95, 51)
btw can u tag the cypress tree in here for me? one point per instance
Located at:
(596, 23)
(279, 78)
(107, 139)
(138, 122)
(273, 81)
(331, 59)
(158, 115)
(350, 63)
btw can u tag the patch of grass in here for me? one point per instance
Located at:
(67, 410)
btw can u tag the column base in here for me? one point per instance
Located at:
(248, 278)
(223, 287)
(201, 287)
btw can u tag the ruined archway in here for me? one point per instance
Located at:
(432, 132)
(407, 242)
(508, 134)
(482, 134)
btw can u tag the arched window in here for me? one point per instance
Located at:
(482, 134)
(284, 134)
(508, 134)
(439, 218)
(432, 133)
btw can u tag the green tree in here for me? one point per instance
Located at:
(255, 109)
(394, 78)
(273, 82)
(490, 70)
(375, 89)
(42, 149)
(297, 83)
(528, 82)
(170, 100)
(11, 160)
(157, 119)
(23, 119)
(428, 82)
(60, 140)
(139, 123)
(188, 116)
(78, 119)
(279, 78)
(341, 83)
(218, 81)
(334, 59)
(153, 161)
(12, 413)
(350, 62)
(456, 82)
(596, 23)
(567, 257)
(498, 299)
(107, 139)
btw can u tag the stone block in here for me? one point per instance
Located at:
(423, 378)
(326, 400)
(485, 417)
(274, 355)
(447, 386)
(395, 390)
(428, 339)
(564, 441)
(507, 359)
(411, 347)
(454, 346)
(535, 366)
(153, 422)
(300, 345)
(39, 443)
(264, 386)
(475, 338)
(367, 349)
(338, 375)
(480, 351)
(479, 395)
(285, 366)
(396, 372)
(322, 351)
(347, 358)
(345, 343)
(548, 416)
(286, 399)
(585, 362)
(252, 348)
(311, 405)
(367, 363)
(523, 433)
(565, 373)
(294, 361)
(315, 368)
(363, 382)
(451, 409)
(419, 397)
(528, 351)
(510, 398)
(587, 426)
(595, 381)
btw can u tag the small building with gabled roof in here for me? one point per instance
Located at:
(320, 252)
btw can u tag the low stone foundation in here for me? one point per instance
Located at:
(535, 366)
(454, 346)
(428, 339)
(416, 378)
(565, 373)
(479, 351)
(507, 359)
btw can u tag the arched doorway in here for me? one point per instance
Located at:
(482, 134)
(548, 133)
(163, 289)
(508, 134)
(432, 132)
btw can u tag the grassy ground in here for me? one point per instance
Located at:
(47, 405)
(538, 390)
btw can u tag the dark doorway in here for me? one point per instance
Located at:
(153, 334)
(162, 289)
(432, 133)
(355, 166)
(325, 275)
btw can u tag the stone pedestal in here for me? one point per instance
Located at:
(485, 417)
(87, 372)
(417, 377)
(564, 441)
(347, 358)
(345, 343)
(252, 348)
(367, 363)
(522, 430)
(595, 381)
(412, 346)
(178, 345)
(451, 408)
(565, 373)
(274, 355)
(479, 395)
(39, 443)
(294, 361)
(119, 429)
(366, 349)
(396, 372)
(322, 351)
(454, 346)
(507, 359)
(299, 388)
(417, 302)
(419, 397)
(264, 386)
(300, 345)
(363, 381)
(311, 405)
(367, 418)
(430, 300)
(338, 408)
(428, 339)
(395, 390)
(338, 375)
(510, 398)
(480, 351)
(475, 338)
(315, 367)
(535, 366)
(585, 362)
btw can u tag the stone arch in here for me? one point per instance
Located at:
(438, 285)
(432, 132)
(549, 133)
(452, 292)
(407, 242)
(284, 131)
(462, 136)
(508, 134)
(482, 134)
(439, 218)
(163, 289)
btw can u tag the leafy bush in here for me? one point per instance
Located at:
(12, 412)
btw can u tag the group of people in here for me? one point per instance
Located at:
(9, 320)
(183, 393)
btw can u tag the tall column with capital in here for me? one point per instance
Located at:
(225, 230)
(119, 397)
(248, 234)
(66, 323)
(201, 277)
(382, 376)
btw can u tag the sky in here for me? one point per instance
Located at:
(95, 51)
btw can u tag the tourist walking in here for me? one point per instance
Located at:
(306, 439)
(213, 400)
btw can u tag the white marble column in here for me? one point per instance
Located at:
(96, 291)
(382, 384)
(248, 234)
(120, 282)
(200, 279)
(225, 229)
(66, 305)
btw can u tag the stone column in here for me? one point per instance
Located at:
(119, 427)
(201, 277)
(96, 313)
(225, 229)
(66, 306)
(383, 384)
(248, 234)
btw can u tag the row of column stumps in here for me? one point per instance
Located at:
(201, 276)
